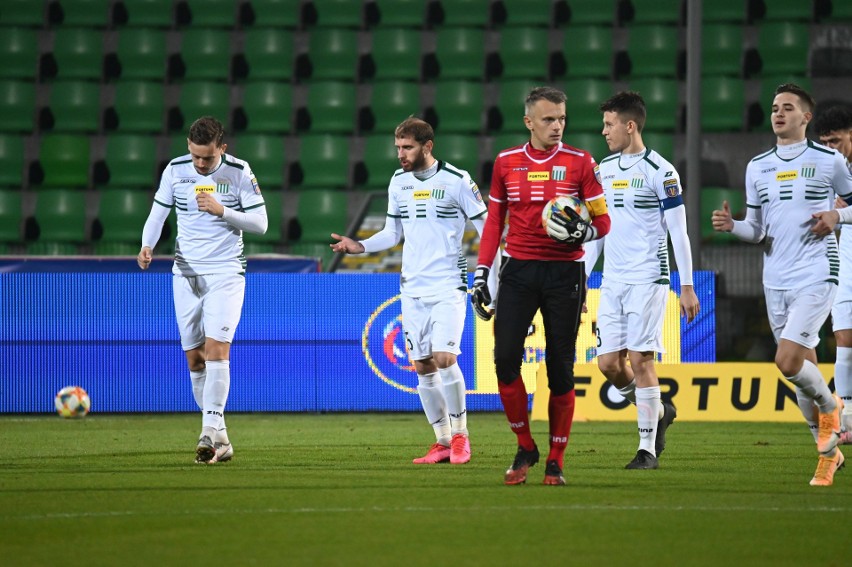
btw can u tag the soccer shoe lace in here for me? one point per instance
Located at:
(459, 449)
(643, 460)
(826, 467)
(224, 453)
(829, 428)
(437, 453)
(553, 474)
(205, 450)
(517, 473)
(669, 415)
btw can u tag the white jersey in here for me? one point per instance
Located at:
(845, 291)
(433, 214)
(205, 243)
(636, 247)
(786, 193)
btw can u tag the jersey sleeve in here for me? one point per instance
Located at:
(165, 194)
(470, 199)
(842, 178)
(667, 185)
(592, 193)
(249, 190)
(494, 223)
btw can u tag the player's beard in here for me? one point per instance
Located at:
(418, 164)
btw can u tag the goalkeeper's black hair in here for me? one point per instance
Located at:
(207, 130)
(629, 105)
(807, 101)
(832, 119)
(418, 129)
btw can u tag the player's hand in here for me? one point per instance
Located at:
(144, 257)
(480, 297)
(722, 220)
(346, 245)
(689, 306)
(571, 229)
(208, 204)
(826, 221)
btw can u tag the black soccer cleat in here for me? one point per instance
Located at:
(643, 460)
(553, 474)
(669, 415)
(517, 473)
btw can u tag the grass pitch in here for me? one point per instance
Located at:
(341, 490)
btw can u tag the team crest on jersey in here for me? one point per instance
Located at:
(437, 193)
(422, 194)
(670, 187)
(598, 174)
(255, 186)
(538, 176)
(620, 184)
(475, 189)
(786, 175)
(637, 182)
(205, 188)
(558, 173)
(222, 187)
(808, 170)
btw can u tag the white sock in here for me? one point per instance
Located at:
(807, 407)
(629, 392)
(648, 407)
(216, 389)
(813, 386)
(434, 405)
(222, 435)
(454, 394)
(198, 377)
(843, 377)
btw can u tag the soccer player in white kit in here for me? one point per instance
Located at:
(644, 199)
(429, 203)
(216, 198)
(785, 187)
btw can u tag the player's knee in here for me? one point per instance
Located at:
(788, 364)
(507, 371)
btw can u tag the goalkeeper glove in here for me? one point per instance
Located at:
(570, 229)
(480, 297)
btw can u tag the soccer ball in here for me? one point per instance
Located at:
(72, 401)
(557, 206)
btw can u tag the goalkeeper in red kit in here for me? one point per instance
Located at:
(542, 269)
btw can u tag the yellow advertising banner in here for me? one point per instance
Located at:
(724, 391)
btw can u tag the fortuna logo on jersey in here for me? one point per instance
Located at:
(786, 175)
(558, 173)
(620, 184)
(538, 176)
(205, 189)
(422, 194)
(383, 345)
(808, 170)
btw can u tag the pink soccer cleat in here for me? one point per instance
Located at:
(437, 453)
(459, 449)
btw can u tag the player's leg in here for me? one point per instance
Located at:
(841, 314)
(611, 330)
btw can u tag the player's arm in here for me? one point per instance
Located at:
(151, 233)
(675, 214)
(842, 184)
(252, 219)
(489, 243)
(593, 195)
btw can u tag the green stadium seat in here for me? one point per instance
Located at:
(122, 214)
(458, 107)
(267, 55)
(145, 13)
(835, 11)
(64, 161)
(61, 216)
(661, 101)
(266, 108)
(523, 53)
(84, 13)
(587, 51)
(11, 215)
(651, 11)
(782, 47)
(712, 199)
(722, 104)
(77, 54)
(733, 11)
(661, 142)
(652, 50)
(396, 54)
(379, 161)
(280, 14)
(584, 99)
(398, 13)
(204, 55)
(509, 111)
(508, 140)
(140, 54)
(17, 106)
(332, 54)
(593, 143)
(526, 13)
(461, 13)
(12, 159)
(139, 107)
(50, 248)
(129, 161)
(73, 106)
(200, 98)
(330, 108)
(265, 154)
(112, 248)
(337, 13)
(26, 13)
(781, 10)
(323, 161)
(260, 243)
(321, 212)
(391, 102)
(722, 49)
(195, 14)
(592, 12)
(459, 54)
(460, 150)
(19, 53)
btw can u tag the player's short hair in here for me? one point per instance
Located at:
(808, 102)
(416, 128)
(207, 130)
(629, 105)
(837, 117)
(549, 94)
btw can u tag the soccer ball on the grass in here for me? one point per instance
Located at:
(72, 401)
(557, 206)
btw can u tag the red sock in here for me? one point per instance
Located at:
(560, 410)
(515, 403)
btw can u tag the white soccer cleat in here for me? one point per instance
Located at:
(224, 453)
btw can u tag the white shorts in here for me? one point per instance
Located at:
(434, 324)
(208, 306)
(631, 316)
(841, 315)
(797, 315)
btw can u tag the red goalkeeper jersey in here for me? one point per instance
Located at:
(524, 180)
